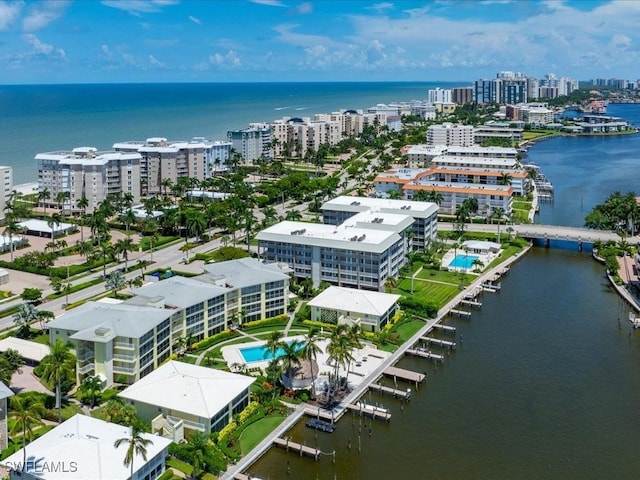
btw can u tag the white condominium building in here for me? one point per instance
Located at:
(424, 214)
(360, 253)
(125, 342)
(6, 187)
(297, 136)
(85, 172)
(252, 143)
(450, 134)
(162, 159)
(438, 95)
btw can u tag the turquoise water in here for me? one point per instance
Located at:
(260, 353)
(42, 118)
(463, 261)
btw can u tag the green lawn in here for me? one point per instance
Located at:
(444, 276)
(406, 330)
(257, 431)
(437, 293)
(184, 467)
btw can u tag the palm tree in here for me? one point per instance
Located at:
(291, 354)
(498, 213)
(129, 218)
(124, 246)
(293, 215)
(435, 197)
(61, 198)
(24, 317)
(26, 414)
(12, 227)
(58, 366)
(90, 389)
(136, 445)
(197, 449)
(505, 179)
(274, 342)
(115, 281)
(310, 351)
(43, 196)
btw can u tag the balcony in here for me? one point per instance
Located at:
(193, 425)
(124, 345)
(121, 369)
(124, 358)
(87, 355)
(89, 367)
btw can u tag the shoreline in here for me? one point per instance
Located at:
(263, 447)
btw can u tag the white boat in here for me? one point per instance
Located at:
(634, 319)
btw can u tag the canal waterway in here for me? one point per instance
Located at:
(586, 170)
(545, 385)
(545, 382)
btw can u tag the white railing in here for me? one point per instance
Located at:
(194, 425)
(127, 345)
(87, 368)
(86, 356)
(125, 358)
(121, 369)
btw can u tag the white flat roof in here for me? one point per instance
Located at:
(29, 350)
(354, 300)
(85, 446)
(480, 161)
(36, 225)
(345, 203)
(333, 236)
(187, 388)
(380, 220)
(452, 150)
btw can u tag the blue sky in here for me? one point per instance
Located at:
(326, 40)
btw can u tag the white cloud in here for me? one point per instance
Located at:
(195, 20)
(269, 3)
(106, 52)
(155, 62)
(9, 12)
(228, 60)
(305, 8)
(136, 7)
(44, 49)
(44, 13)
(381, 7)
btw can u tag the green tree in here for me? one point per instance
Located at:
(24, 317)
(90, 389)
(26, 414)
(136, 445)
(58, 366)
(115, 281)
(32, 295)
(43, 196)
(310, 351)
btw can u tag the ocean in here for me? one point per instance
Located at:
(43, 118)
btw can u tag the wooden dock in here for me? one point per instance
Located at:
(444, 328)
(418, 352)
(471, 303)
(460, 313)
(376, 387)
(403, 374)
(288, 445)
(370, 411)
(241, 476)
(437, 341)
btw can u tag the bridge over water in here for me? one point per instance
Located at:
(546, 233)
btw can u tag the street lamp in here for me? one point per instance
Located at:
(66, 287)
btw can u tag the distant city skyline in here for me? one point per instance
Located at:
(283, 40)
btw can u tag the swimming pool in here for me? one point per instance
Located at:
(463, 261)
(259, 353)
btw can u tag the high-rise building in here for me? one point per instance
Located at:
(6, 177)
(484, 91)
(450, 134)
(438, 95)
(252, 143)
(462, 95)
(85, 172)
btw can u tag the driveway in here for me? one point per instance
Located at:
(25, 381)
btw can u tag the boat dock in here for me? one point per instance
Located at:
(491, 287)
(376, 387)
(471, 303)
(437, 341)
(445, 328)
(288, 445)
(321, 425)
(460, 313)
(420, 352)
(403, 374)
(372, 411)
(321, 414)
(635, 320)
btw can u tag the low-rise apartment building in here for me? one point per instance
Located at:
(127, 341)
(362, 252)
(450, 134)
(424, 214)
(85, 172)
